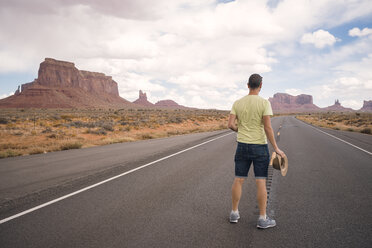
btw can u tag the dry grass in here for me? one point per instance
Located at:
(352, 122)
(34, 131)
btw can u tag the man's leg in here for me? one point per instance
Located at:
(263, 221)
(261, 195)
(236, 192)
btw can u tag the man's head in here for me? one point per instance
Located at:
(254, 81)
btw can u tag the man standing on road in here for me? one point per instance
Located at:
(252, 114)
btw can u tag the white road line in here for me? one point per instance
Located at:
(105, 181)
(370, 153)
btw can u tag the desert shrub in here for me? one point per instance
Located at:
(170, 133)
(18, 134)
(350, 129)
(3, 120)
(67, 117)
(47, 130)
(73, 145)
(366, 130)
(55, 117)
(336, 128)
(36, 151)
(52, 136)
(100, 131)
(222, 126)
(146, 136)
(77, 124)
(108, 127)
(195, 130)
(9, 153)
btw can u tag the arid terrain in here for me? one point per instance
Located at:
(33, 131)
(351, 121)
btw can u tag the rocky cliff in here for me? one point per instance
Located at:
(168, 104)
(285, 103)
(61, 85)
(142, 100)
(367, 106)
(337, 107)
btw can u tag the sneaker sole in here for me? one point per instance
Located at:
(234, 221)
(265, 227)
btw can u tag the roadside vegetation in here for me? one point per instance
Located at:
(352, 122)
(33, 131)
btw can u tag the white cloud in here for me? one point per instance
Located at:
(5, 95)
(352, 104)
(202, 50)
(319, 38)
(360, 33)
(294, 92)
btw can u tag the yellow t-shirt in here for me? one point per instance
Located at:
(249, 111)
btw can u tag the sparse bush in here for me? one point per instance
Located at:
(100, 131)
(171, 133)
(108, 127)
(52, 136)
(9, 153)
(366, 130)
(146, 136)
(67, 117)
(68, 146)
(36, 151)
(350, 129)
(47, 130)
(222, 126)
(4, 120)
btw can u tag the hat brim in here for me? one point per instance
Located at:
(279, 163)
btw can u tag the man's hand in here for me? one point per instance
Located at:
(280, 152)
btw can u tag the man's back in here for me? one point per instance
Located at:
(249, 111)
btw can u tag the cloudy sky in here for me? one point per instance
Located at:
(199, 53)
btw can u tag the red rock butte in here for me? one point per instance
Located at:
(142, 100)
(285, 103)
(61, 85)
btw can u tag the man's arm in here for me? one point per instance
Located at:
(232, 124)
(270, 134)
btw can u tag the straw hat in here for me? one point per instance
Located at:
(279, 163)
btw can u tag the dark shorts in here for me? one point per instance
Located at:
(248, 153)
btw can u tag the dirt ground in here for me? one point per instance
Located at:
(33, 131)
(353, 122)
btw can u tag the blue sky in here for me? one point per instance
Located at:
(199, 53)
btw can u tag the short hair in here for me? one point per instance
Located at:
(254, 81)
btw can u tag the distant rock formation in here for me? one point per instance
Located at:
(142, 100)
(61, 85)
(286, 103)
(169, 104)
(367, 106)
(337, 107)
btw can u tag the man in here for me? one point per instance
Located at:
(252, 114)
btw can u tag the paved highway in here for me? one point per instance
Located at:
(184, 200)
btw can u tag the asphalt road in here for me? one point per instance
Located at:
(184, 201)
